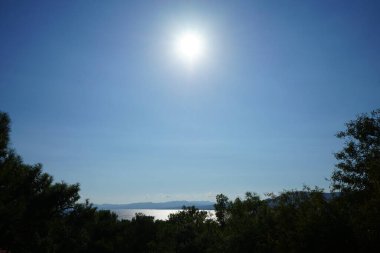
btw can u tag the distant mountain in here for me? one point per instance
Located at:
(204, 205)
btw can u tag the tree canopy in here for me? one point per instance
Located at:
(359, 160)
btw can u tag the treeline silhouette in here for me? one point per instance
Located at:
(39, 215)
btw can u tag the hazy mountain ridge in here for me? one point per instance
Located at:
(178, 204)
(204, 205)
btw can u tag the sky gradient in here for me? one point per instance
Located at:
(97, 96)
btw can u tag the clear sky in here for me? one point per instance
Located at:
(98, 96)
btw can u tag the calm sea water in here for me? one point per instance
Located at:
(158, 214)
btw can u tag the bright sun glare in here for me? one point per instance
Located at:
(190, 47)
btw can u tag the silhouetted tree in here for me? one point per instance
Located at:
(359, 160)
(29, 200)
(221, 205)
(357, 176)
(189, 230)
(141, 233)
(4, 135)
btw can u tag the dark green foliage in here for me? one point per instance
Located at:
(359, 161)
(29, 201)
(221, 209)
(39, 215)
(141, 232)
(4, 134)
(357, 176)
(245, 227)
(190, 230)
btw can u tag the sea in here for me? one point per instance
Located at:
(158, 214)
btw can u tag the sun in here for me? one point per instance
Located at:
(190, 46)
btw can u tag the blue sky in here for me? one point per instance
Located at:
(97, 96)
